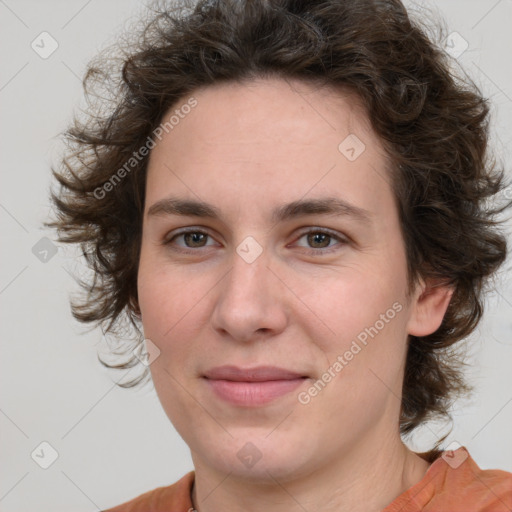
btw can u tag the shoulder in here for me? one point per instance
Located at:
(459, 484)
(455, 483)
(485, 490)
(174, 497)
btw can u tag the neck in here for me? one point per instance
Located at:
(365, 479)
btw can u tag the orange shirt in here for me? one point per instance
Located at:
(453, 483)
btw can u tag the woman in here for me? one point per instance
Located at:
(289, 202)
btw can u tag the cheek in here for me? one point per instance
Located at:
(366, 312)
(158, 305)
(353, 301)
(165, 295)
(173, 310)
(364, 361)
(152, 300)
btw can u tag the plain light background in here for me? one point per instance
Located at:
(114, 444)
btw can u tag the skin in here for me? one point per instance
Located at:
(247, 148)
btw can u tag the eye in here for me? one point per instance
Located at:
(320, 240)
(192, 238)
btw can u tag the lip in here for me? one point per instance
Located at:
(252, 386)
(256, 374)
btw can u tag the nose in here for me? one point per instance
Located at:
(252, 301)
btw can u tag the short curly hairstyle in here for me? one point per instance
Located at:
(434, 126)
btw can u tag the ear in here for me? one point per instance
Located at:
(428, 307)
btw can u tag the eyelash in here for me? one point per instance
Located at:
(316, 252)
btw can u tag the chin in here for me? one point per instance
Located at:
(258, 458)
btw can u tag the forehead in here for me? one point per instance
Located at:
(272, 110)
(270, 141)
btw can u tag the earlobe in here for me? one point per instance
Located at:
(429, 307)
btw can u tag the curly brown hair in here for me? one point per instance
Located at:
(433, 123)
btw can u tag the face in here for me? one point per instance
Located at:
(282, 331)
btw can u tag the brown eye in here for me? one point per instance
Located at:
(318, 240)
(321, 241)
(194, 239)
(191, 239)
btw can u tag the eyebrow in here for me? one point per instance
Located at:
(318, 206)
